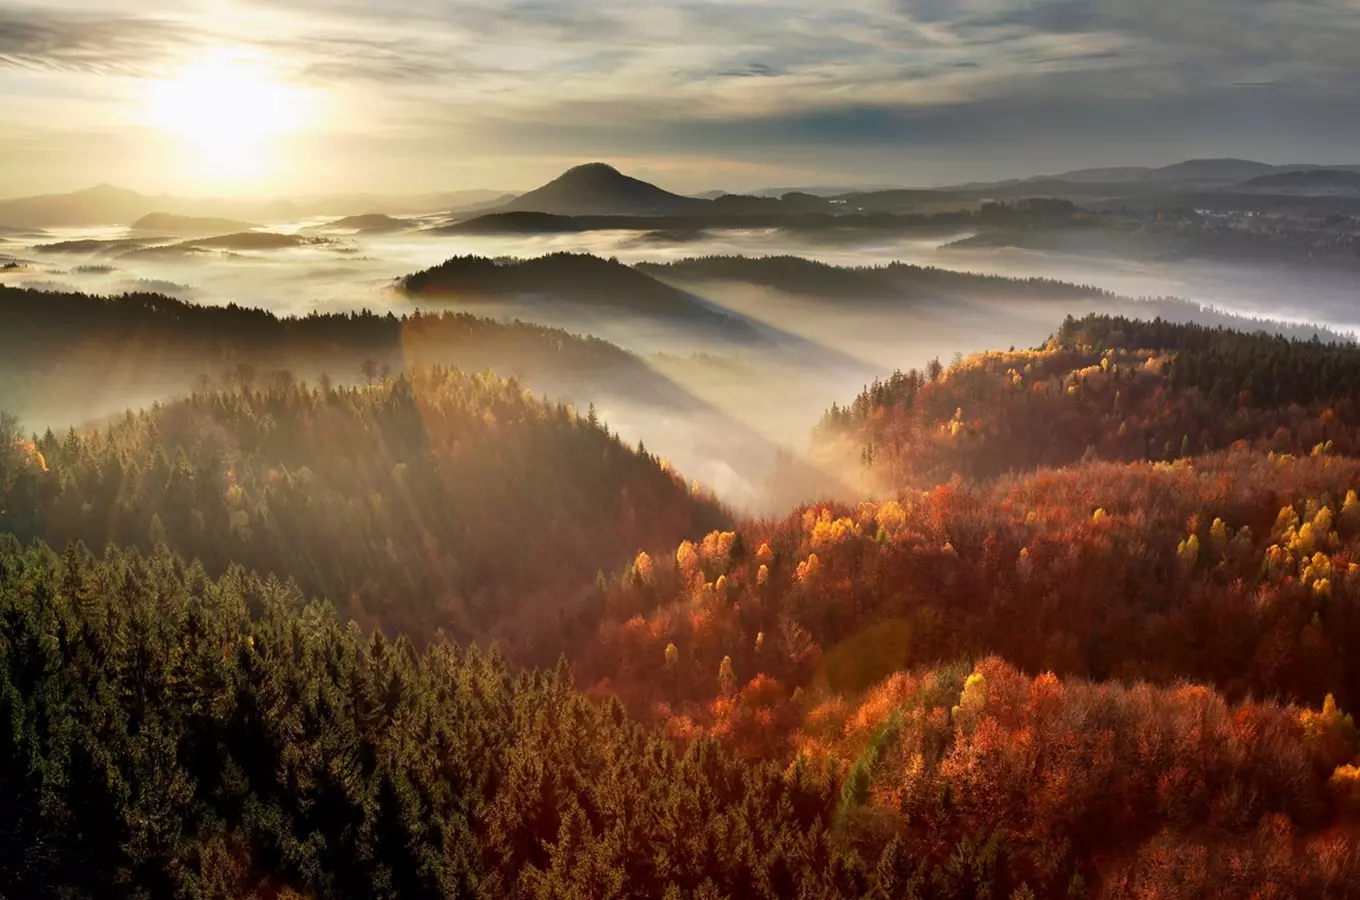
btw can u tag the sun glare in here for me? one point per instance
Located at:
(227, 112)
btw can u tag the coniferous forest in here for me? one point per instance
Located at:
(1086, 625)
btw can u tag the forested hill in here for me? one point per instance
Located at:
(167, 735)
(428, 636)
(171, 735)
(798, 275)
(435, 500)
(1103, 388)
(577, 277)
(67, 356)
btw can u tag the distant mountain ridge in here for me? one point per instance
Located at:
(1226, 169)
(188, 226)
(1223, 172)
(1307, 180)
(599, 189)
(105, 205)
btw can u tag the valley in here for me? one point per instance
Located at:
(605, 541)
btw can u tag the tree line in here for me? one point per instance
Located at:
(438, 499)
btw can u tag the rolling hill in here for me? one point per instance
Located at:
(574, 277)
(367, 223)
(188, 226)
(100, 205)
(1307, 181)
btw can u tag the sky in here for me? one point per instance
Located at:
(296, 97)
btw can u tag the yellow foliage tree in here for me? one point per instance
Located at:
(974, 695)
(727, 678)
(1024, 566)
(643, 569)
(1188, 550)
(687, 561)
(1331, 729)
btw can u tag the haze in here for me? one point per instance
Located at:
(331, 96)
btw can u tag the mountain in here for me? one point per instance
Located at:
(188, 226)
(100, 205)
(1197, 170)
(1307, 181)
(368, 223)
(109, 205)
(826, 190)
(1114, 181)
(401, 204)
(600, 189)
(1210, 170)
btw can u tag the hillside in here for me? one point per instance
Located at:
(1021, 682)
(797, 275)
(253, 240)
(250, 722)
(188, 226)
(438, 500)
(600, 189)
(446, 773)
(1104, 388)
(1306, 181)
(101, 205)
(92, 246)
(1193, 171)
(67, 357)
(576, 277)
(369, 223)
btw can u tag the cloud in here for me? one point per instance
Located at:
(827, 84)
(87, 43)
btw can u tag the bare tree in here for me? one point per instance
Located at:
(369, 369)
(281, 380)
(243, 375)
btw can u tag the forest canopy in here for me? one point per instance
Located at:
(1094, 635)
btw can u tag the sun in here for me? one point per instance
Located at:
(227, 112)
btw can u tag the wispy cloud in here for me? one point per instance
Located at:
(748, 79)
(86, 42)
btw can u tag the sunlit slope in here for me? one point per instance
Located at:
(66, 357)
(1102, 388)
(432, 500)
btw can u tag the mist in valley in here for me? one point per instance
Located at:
(742, 405)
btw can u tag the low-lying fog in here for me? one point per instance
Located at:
(763, 398)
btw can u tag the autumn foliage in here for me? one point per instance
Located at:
(1096, 635)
